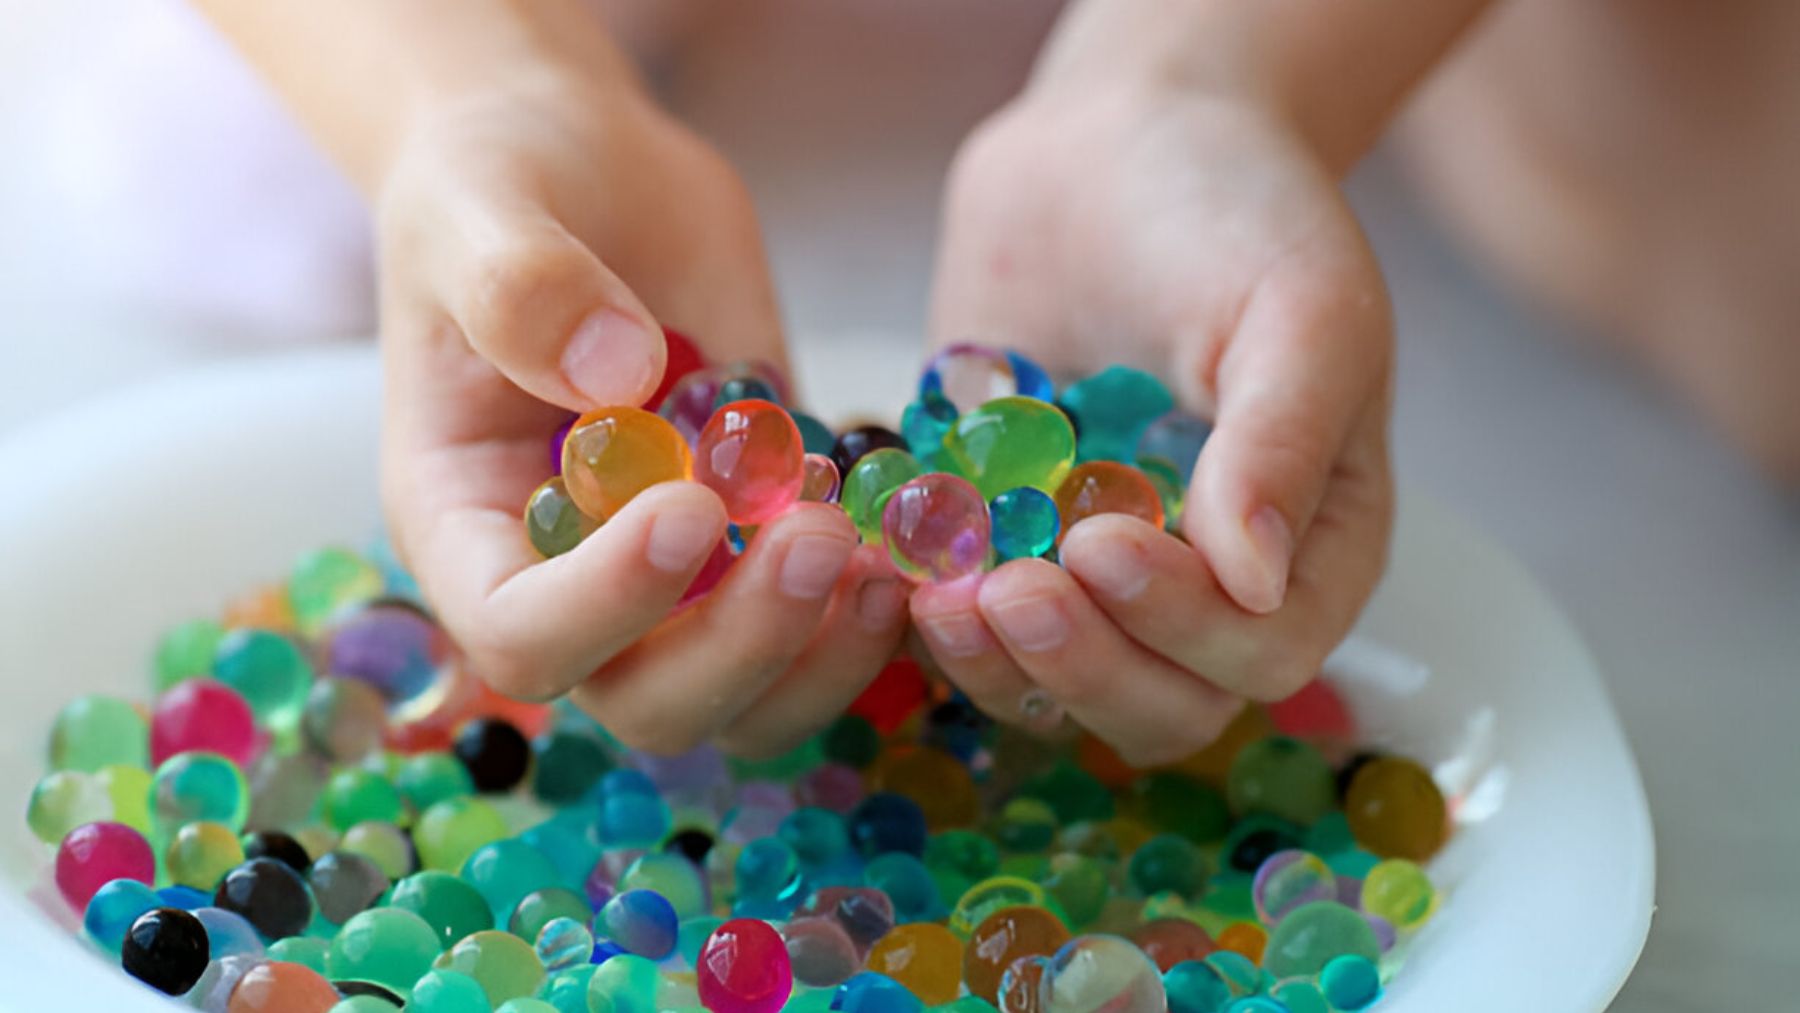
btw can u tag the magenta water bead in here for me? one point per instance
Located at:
(744, 968)
(206, 715)
(94, 854)
(936, 528)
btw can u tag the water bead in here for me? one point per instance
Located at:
(886, 821)
(1113, 409)
(819, 951)
(542, 906)
(852, 740)
(744, 968)
(833, 786)
(326, 581)
(1170, 941)
(819, 480)
(202, 714)
(815, 437)
(1300, 996)
(184, 897)
(936, 528)
(1312, 935)
(198, 786)
(1193, 986)
(1282, 777)
(166, 949)
(389, 946)
(228, 933)
(269, 670)
(344, 884)
(1288, 879)
(384, 843)
(681, 359)
(991, 895)
(1101, 972)
(280, 987)
(201, 853)
(1024, 824)
(907, 884)
(1171, 863)
(854, 444)
(744, 388)
(553, 522)
(393, 646)
(1022, 985)
(364, 1004)
(869, 992)
(925, 957)
(1012, 442)
(1400, 893)
(563, 943)
(92, 732)
(1005, 936)
(1169, 491)
(112, 909)
(673, 877)
(505, 966)
(897, 692)
(128, 789)
(641, 921)
(453, 908)
(213, 991)
(63, 800)
(1246, 939)
(1396, 810)
(565, 991)
(751, 454)
(354, 795)
(1256, 1004)
(1107, 487)
(1176, 437)
(185, 651)
(633, 820)
(968, 376)
(1080, 885)
(1350, 982)
(504, 871)
(612, 454)
(767, 869)
(818, 836)
(308, 951)
(869, 483)
(268, 894)
(426, 779)
(924, 423)
(1025, 523)
(1175, 803)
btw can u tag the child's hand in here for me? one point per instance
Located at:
(1200, 239)
(532, 239)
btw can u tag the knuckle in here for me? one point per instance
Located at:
(507, 292)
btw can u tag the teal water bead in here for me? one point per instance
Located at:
(1025, 523)
(958, 859)
(626, 983)
(356, 794)
(1166, 480)
(1283, 777)
(767, 869)
(450, 831)
(452, 908)
(442, 991)
(194, 786)
(692, 934)
(1169, 863)
(632, 819)
(809, 1000)
(1311, 935)
(1012, 442)
(925, 423)
(1113, 408)
(567, 991)
(269, 670)
(383, 843)
(1256, 1004)
(425, 779)
(815, 436)
(327, 581)
(113, 908)
(870, 482)
(1238, 972)
(63, 800)
(92, 732)
(1351, 982)
(1300, 996)
(504, 871)
(965, 1004)
(671, 875)
(1289, 879)
(307, 951)
(568, 766)
(525, 1004)
(1330, 834)
(563, 943)
(818, 836)
(185, 651)
(505, 966)
(1194, 986)
(389, 946)
(541, 907)
(568, 841)
(908, 884)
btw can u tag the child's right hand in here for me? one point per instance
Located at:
(526, 237)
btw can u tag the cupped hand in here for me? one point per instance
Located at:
(533, 240)
(1197, 238)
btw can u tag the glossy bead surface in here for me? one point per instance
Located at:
(612, 454)
(1005, 936)
(94, 854)
(869, 483)
(1396, 810)
(1012, 442)
(1113, 408)
(936, 528)
(1101, 972)
(744, 968)
(269, 670)
(1107, 487)
(751, 454)
(925, 957)
(92, 732)
(1025, 523)
(1282, 777)
(552, 520)
(1312, 935)
(269, 894)
(166, 949)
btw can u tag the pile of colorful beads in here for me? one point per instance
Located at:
(989, 463)
(318, 810)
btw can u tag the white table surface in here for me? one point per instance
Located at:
(1680, 565)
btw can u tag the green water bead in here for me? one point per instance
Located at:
(1080, 885)
(567, 991)
(129, 789)
(1165, 478)
(307, 951)
(568, 766)
(1011, 442)
(383, 843)
(871, 480)
(1354, 863)
(1178, 804)
(1400, 892)
(1239, 973)
(815, 436)
(504, 871)
(1232, 896)
(1024, 824)
(691, 936)
(450, 831)
(269, 670)
(426, 779)
(452, 908)
(958, 859)
(505, 966)
(671, 875)
(543, 906)
(1283, 777)
(989, 896)
(1300, 996)
(185, 651)
(925, 423)
(389, 946)
(552, 520)
(441, 991)
(91, 732)
(1330, 834)
(525, 1004)
(195, 786)
(364, 1004)
(1113, 408)
(326, 581)
(201, 854)
(626, 983)
(63, 800)
(1074, 794)
(851, 740)
(355, 794)
(783, 767)
(1310, 936)
(1169, 863)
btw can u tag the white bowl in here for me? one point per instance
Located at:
(121, 518)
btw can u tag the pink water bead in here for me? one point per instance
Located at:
(744, 968)
(204, 715)
(751, 454)
(819, 481)
(94, 854)
(936, 528)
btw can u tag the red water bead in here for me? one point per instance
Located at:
(278, 986)
(1169, 941)
(206, 715)
(465, 697)
(94, 854)
(1107, 487)
(682, 358)
(751, 454)
(1316, 712)
(744, 968)
(711, 572)
(895, 695)
(1104, 762)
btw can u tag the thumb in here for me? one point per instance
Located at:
(1298, 376)
(539, 305)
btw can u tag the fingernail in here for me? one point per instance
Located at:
(955, 634)
(1272, 543)
(679, 539)
(878, 604)
(608, 358)
(812, 565)
(1119, 574)
(1033, 624)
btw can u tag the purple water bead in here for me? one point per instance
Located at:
(936, 528)
(391, 645)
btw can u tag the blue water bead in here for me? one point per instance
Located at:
(114, 907)
(570, 841)
(1350, 982)
(564, 943)
(504, 871)
(1024, 522)
(633, 819)
(1112, 408)
(228, 933)
(815, 436)
(818, 836)
(672, 875)
(641, 921)
(768, 869)
(908, 884)
(1029, 378)
(1176, 438)
(626, 781)
(605, 950)
(1195, 986)
(925, 423)
(185, 898)
(886, 822)
(869, 992)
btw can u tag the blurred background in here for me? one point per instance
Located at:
(158, 209)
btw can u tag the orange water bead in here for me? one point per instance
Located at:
(282, 987)
(1169, 941)
(1107, 487)
(1104, 762)
(612, 454)
(925, 957)
(1396, 810)
(937, 781)
(1005, 936)
(751, 454)
(266, 608)
(1246, 938)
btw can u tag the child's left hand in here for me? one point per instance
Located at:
(1198, 238)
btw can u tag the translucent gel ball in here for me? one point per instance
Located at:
(389, 946)
(612, 454)
(553, 522)
(744, 968)
(1012, 442)
(1282, 777)
(1399, 892)
(1101, 972)
(1288, 879)
(201, 854)
(1107, 487)
(92, 732)
(640, 921)
(563, 943)
(505, 966)
(190, 787)
(269, 669)
(113, 908)
(1113, 408)
(205, 715)
(751, 454)
(936, 528)
(1309, 937)
(1025, 523)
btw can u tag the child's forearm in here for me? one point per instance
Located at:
(1337, 69)
(361, 73)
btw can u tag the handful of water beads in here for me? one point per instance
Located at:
(989, 463)
(318, 810)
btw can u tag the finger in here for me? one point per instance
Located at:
(690, 677)
(948, 619)
(1145, 707)
(860, 633)
(533, 628)
(1163, 594)
(1299, 373)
